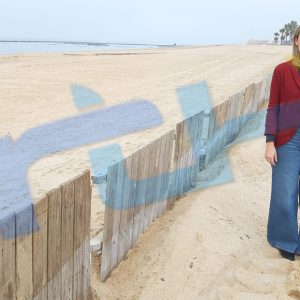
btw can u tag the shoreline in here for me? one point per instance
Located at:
(107, 50)
(120, 50)
(20, 46)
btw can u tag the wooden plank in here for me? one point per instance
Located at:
(248, 98)
(252, 101)
(224, 112)
(177, 156)
(185, 167)
(257, 93)
(142, 188)
(181, 158)
(24, 252)
(42, 295)
(170, 152)
(167, 158)
(151, 185)
(191, 149)
(159, 200)
(88, 198)
(54, 244)
(108, 221)
(7, 258)
(125, 208)
(158, 177)
(67, 236)
(240, 106)
(193, 156)
(216, 118)
(222, 132)
(117, 215)
(132, 223)
(184, 160)
(87, 269)
(232, 118)
(139, 204)
(196, 145)
(224, 128)
(87, 226)
(172, 176)
(54, 287)
(219, 133)
(79, 235)
(188, 153)
(228, 130)
(201, 140)
(236, 112)
(220, 115)
(229, 123)
(39, 248)
(242, 102)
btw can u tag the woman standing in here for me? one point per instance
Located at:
(282, 131)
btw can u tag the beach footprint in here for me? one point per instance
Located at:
(252, 277)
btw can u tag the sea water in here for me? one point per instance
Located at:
(23, 47)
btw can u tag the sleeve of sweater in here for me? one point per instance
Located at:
(273, 105)
(270, 137)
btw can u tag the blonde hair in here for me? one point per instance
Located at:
(296, 52)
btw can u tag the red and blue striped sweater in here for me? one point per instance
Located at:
(281, 124)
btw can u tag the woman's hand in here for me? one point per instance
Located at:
(270, 153)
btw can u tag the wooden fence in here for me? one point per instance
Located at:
(136, 195)
(228, 118)
(52, 261)
(186, 156)
(140, 187)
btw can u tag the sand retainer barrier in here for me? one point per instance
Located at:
(140, 187)
(53, 260)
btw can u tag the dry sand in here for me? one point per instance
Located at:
(213, 242)
(36, 89)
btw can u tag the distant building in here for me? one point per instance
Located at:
(259, 42)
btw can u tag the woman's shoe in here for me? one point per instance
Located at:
(287, 255)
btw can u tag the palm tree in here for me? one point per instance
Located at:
(294, 26)
(282, 30)
(287, 31)
(276, 34)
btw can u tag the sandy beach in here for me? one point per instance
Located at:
(212, 244)
(36, 89)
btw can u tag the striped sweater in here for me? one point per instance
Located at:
(271, 137)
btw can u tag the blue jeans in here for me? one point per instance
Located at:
(282, 230)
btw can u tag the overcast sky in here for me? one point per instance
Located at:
(152, 21)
